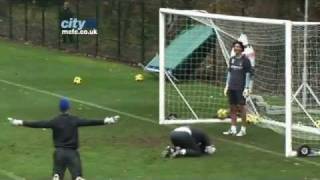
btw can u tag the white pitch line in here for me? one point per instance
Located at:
(248, 146)
(149, 120)
(11, 175)
(75, 100)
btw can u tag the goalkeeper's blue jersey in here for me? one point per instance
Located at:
(238, 67)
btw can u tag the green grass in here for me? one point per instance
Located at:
(130, 149)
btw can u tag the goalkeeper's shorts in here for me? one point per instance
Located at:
(236, 97)
(64, 158)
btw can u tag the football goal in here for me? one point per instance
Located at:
(286, 88)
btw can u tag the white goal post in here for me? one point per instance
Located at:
(194, 51)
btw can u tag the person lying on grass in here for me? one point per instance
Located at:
(188, 141)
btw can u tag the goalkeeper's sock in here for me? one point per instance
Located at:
(231, 131)
(242, 132)
(243, 128)
(233, 128)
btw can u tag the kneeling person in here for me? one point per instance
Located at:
(188, 142)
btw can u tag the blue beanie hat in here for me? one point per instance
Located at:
(64, 104)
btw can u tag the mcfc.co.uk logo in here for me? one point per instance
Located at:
(80, 27)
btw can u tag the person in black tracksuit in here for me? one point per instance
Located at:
(65, 137)
(239, 77)
(65, 14)
(188, 141)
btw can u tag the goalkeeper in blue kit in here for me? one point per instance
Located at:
(238, 88)
(66, 140)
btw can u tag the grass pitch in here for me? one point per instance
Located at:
(33, 78)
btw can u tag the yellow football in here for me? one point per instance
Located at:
(77, 80)
(139, 77)
(317, 123)
(222, 113)
(252, 119)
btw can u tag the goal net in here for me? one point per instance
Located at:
(195, 48)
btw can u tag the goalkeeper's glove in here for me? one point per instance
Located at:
(210, 149)
(111, 120)
(225, 91)
(246, 92)
(15, 122)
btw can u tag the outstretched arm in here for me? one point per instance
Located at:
(86, 122)
(107, 120)
(32, 124)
